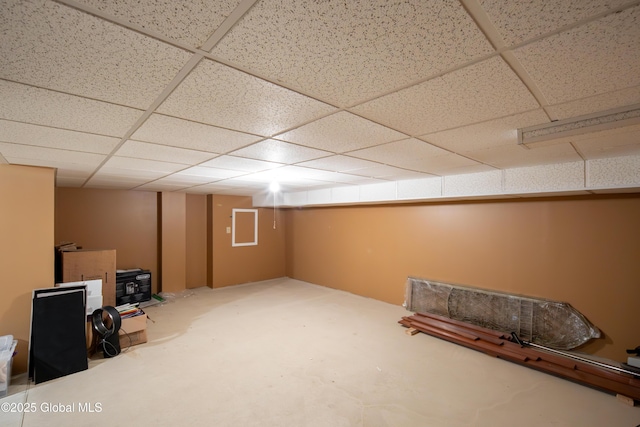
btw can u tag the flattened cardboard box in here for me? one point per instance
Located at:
(136, 328)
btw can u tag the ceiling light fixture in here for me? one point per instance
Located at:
(605, 120)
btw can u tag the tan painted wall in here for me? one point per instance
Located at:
(196, 229)
(173, 242)
(111, 219)
(242, 264)
(582, 250)
(26, 250)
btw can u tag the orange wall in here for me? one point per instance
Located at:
(231, 265)
(26, 251)
(582, 250)
(173, 242)
(111, 219)
(196, 240)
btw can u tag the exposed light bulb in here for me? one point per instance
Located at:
(274, 187)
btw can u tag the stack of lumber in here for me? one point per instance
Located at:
(498, 344)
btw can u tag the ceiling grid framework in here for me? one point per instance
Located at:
(341, 102)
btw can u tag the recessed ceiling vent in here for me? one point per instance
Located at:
(605, 120)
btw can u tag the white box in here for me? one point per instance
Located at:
(94, 287)
(93, 303)
(94, 292)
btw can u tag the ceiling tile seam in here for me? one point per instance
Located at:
(81, 132)
(245, 173)
(230, 21)
(298, 90)
(586, 98)
(125, 24)
(486, 26)
(263, 137)
(50, 148)
(160, 144)
(578, 151)
(350, 172)
(424, 79)
(521, 72)
(214, 155)
(173, 84)
(586, 173)
(350, 152)
(424, 135)
(70, 94)
(571, 26)
(281, 140)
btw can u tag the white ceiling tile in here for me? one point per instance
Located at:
(189, 22)
(163, 153)
(542, 178)
(415, 155)
(345, 194)
(386, 172)
(206, 174)
(79, 172)
(314, 197)
(610, 172)
(493, 133)
(609, 143)
(51, 155)
(44, 107)
(50, 45)
(489, 182)
(131, 164)
(598, 57)
(115, 181)
(596, 103)
(378, 192)
(483, 91)
(236, 191)
(339, 163)
(513, 156)
(161, 185)
(518, 21)
(240, 164)
(161, 129)
(280, 152)
(341, 132)
(131, 176)
(180, 178)
(23, 133)
(346, 52)
(222, 96)
(421, 188)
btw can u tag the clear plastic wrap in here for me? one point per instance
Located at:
(545, 322)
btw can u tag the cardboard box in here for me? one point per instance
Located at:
(83, 265)
(133, 331)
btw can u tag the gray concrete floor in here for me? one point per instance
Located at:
(288, 353)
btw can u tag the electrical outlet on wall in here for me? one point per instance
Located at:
(228, 230)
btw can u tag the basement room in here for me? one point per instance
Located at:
(320, 213)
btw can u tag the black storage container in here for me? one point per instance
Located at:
(133, 286)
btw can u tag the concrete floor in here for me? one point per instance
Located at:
(287, 353)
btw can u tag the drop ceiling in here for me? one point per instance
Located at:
(326, 97)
